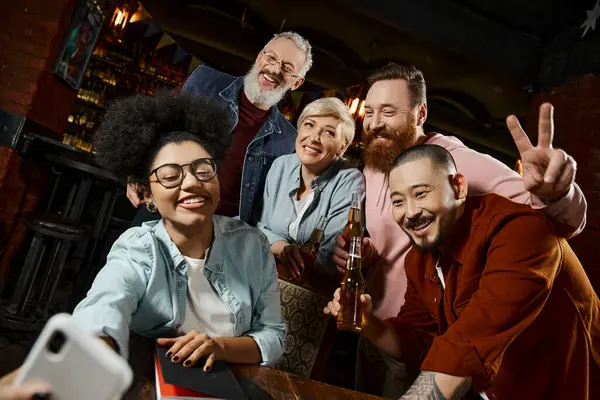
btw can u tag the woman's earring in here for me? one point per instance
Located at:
(151, 206)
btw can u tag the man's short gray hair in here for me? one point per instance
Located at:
(302, 45)
(334, 107)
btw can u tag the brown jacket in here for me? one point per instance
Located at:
(518, 313)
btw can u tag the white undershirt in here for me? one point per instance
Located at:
(300, 207)
(205, 311)
(441, 276)
(439, 272)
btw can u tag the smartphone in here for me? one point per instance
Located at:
(75, 363)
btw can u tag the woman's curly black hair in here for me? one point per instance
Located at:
(135, 128)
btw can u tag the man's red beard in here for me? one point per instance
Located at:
(381, 156)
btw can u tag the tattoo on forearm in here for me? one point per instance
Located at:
(425, 388)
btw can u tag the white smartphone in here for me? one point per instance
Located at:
(75, 363)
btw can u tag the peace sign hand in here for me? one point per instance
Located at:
(547, 172)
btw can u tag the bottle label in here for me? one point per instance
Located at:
(355, 247)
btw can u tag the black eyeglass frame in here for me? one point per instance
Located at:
(182, 175)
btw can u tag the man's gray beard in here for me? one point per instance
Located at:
(267, 98)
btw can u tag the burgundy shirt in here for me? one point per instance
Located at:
(518, 313)
(250, 119)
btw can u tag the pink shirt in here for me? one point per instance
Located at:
(387, 280)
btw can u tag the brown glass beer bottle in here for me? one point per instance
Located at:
(353, 285)
(310, 249)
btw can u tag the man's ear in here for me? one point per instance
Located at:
(422, 114)
(298, 83)
(460, 186)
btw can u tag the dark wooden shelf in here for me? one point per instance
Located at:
(110, 62)
(89, 104)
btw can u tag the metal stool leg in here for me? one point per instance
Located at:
(60, 264)
(27, 277)
(52, 267)
(54, 188)
(88, 267)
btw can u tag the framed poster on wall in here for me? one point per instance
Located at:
(78, 43)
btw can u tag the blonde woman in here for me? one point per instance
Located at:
(314, 182)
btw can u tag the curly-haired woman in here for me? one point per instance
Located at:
(205, 285)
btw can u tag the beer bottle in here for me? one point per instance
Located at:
(353, 285)
(310, 249)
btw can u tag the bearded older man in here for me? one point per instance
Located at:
(395, 114)
(260, 132)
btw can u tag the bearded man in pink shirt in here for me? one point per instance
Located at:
(395, 112)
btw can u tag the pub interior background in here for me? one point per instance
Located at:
(482, 59)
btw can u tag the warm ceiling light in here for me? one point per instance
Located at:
(136, 17)
(354, 105)
(361, 110)
(140, 15)
(119, 17)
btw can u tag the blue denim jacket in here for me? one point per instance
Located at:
(275, 138)
(143, 286)
(333, 197)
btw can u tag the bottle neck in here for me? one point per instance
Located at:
(316, 236)
(354, 214)
(354, 253)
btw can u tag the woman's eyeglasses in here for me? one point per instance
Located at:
(172, 175)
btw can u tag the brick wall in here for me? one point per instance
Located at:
(16, 198)
(577, 131)
(31, 32)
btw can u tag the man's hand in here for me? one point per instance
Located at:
(340, 252)
(376, 330)
(192, 347)
(547, 172)
(334, 306)
(133, 191)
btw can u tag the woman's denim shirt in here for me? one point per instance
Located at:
(333, 199)
(143, 286)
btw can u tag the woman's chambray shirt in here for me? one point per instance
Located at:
(333, 199)
(143, 286)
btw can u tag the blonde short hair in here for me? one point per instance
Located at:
(334, 107)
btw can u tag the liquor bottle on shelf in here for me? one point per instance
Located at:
(100, 50)
(92, 93)
(353, 285)
(102, 95)
(83, 119)
(81, 91)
